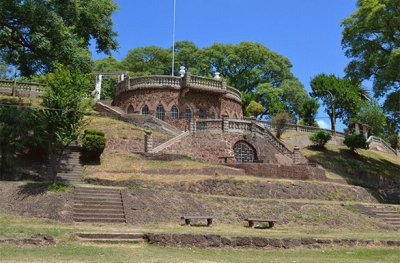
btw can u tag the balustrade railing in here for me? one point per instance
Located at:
(195, 81)
(22, 88)
(152, 81)
(382, 142)
(239, 126)
(234, 93)
(214, 124)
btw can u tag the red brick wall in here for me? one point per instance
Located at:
(182, 99)
(298, 172)
(209, 146)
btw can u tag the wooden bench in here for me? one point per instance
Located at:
(188, 219)
(271, 222)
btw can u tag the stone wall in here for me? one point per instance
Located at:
(298, 172)
(212, 104)
(212, 146)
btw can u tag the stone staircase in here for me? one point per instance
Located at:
(386, 213)
(111, 237)
(70, 170)
(106, 108)
(174, 140)
(98, 205)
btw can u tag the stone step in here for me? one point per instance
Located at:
(113, 203)
(97, 190)
(98, 215)
(110, 235)
(387, 212)
(112, 240)
(98, 208)
(98, 198)
(100, 220)
(97, 195)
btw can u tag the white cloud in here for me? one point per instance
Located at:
(323, 124)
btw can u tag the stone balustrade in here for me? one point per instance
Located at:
(22, 88)
(383, 143)
(213, 124)
(188, 81)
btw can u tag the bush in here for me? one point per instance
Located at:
(355, 141)
(320, 138)
(280, 121)
(254, 109)
(93, 132)
(93, 144)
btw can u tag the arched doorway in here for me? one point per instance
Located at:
(244, 152)
(130, 109)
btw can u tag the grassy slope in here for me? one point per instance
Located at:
(69, 249)
(340, 162)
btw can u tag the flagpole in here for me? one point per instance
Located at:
(173, 40)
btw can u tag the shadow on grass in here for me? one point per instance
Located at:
(357, 169)
(33, 189)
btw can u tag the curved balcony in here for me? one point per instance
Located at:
(177, 83)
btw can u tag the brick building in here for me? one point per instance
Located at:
(176, 100)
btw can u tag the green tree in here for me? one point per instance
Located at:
(280, 122)
(150, 60)
(109, 64)
(308, 110)
(371, 40)
(4, 70)
(341, 97)
(14, 122)
(62, 116)
(254, 109)
(36, 36)
(372, 115)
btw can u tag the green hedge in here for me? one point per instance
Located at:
(320, 138)
(356, 141)
(93, 144)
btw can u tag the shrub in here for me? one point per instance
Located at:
(280, 121)
(93, 132)
(320, 138)
(254, 109)
(355, 141)
(93, 144)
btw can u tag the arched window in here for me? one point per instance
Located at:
(202, 114)
(130, 109)
(160, 112)
(175, 113)
(145, 110)
(213, 115)
(244, 152)
(188, 114)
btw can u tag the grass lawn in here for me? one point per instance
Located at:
(340, 162)
(69, 249)
(146, 253)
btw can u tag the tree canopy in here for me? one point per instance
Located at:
(37, 35)
(341, 97)
(259, 73)
(371, 39)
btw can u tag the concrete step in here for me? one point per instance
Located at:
(387, 212)
(100, 220)
(96, 190)
(98, 215)
(95, 196)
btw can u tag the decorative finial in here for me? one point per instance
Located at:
(217, 76)
(182, 71)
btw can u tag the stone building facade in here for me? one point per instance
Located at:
(176, 100)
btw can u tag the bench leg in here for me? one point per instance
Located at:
(251, 224)
(209, 222)
(187, 222)
(271, 224)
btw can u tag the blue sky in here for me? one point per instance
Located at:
(307, 32)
